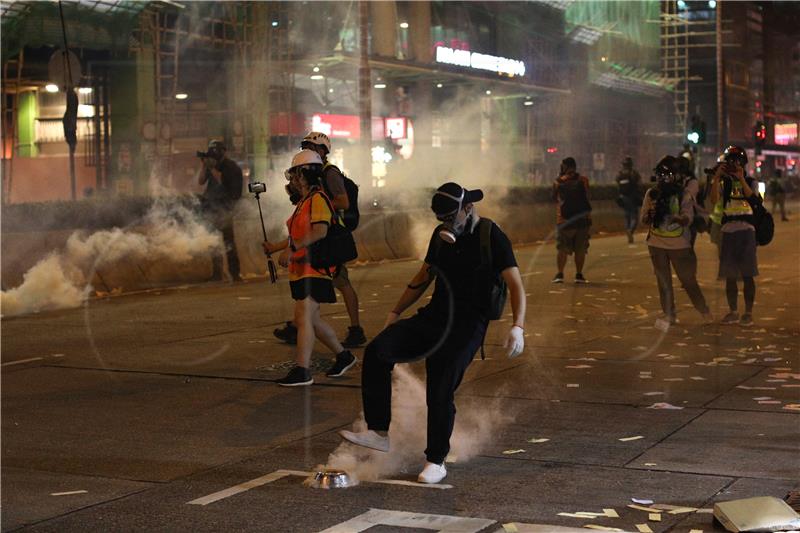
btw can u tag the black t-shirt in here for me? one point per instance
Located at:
(224, 194)
(458, 267)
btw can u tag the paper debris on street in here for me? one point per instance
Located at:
(644, 528)
(513, 452)
(537, 441)
(628, 439)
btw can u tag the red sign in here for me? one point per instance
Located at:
(337, 126)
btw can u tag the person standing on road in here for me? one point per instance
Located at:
(668, 211)
(630, 197)
(573, 219)
(223, 180)
(308, 224)
(468, 256)
(777, 194)
(734, 191)
(334, 186)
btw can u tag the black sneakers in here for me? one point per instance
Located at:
(287, 334)
(580, 279)
(355, 337)
(344, 362)
(297, 377)
(558, 278)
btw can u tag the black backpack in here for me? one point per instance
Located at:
(335, 249)
(351, 214)
(574, 200)
(764, 224)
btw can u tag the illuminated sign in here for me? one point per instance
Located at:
(337, 126)
(396, 128)
(465, 58)
(786, 134)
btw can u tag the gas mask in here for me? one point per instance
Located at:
(456, 222)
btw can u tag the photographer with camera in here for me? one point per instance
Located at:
(731, 192)
(223, 180)
(343, 194)
(668, 210)
(310, 287)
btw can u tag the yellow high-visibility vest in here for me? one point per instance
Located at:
(670, 229)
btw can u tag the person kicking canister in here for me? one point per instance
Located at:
(449, 330)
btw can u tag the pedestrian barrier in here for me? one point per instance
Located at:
(381, 235)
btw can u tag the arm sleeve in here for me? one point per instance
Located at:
(502, 251)
(334, 181)
(687, 206)
(320, 212)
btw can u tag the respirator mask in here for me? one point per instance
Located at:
(455, 222)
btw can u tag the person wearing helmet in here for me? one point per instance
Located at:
(630, 197)
(309, 287)
(668, 211)
(448, 331)
(733, 192)
(333, 185)
(223, 180)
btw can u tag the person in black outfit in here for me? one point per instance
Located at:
(223, 180)
(630, 197)
(448, 331)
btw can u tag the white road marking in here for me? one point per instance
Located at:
(21, 361)
(243, 487)
(69, 493)
(435, 522)
(280, 474)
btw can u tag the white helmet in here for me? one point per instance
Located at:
(318, 138)
(306, 157)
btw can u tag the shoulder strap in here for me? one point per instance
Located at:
(486, 241)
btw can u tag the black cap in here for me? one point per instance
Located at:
(735, 154)
(569, 162)
(216, 144)
(451, 197)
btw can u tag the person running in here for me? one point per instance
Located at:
(467, 255)
(668, 211)
(309, 287)
(733, 190)
(573, 219)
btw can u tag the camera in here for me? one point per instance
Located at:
(256, 187)
(203, 155)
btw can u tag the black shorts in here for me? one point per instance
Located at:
(737, 257)
(320, 289)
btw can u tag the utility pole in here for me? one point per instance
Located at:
(365, 90)
(721, 122)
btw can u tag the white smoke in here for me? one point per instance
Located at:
(475, 426)
(62, 280)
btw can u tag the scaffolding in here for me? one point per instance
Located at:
(675, 62)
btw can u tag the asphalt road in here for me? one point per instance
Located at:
(153, 411)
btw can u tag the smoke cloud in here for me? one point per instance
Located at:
(62, 280)
(476, 424)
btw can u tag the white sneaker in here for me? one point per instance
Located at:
(432, 473)
(368, 439)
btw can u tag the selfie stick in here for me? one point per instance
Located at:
(273, 272)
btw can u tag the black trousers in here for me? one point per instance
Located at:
(447, 355)
(223, 221)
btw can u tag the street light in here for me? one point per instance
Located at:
(181, 96)
(51, 88)
(404, 25)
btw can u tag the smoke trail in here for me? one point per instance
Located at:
(476, 424)
(169, 232)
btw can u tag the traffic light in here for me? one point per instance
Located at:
(697, 132)
(759, 135)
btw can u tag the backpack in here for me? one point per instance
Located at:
(335, 249)
(574, 200)
(764, 224)
(351, 214)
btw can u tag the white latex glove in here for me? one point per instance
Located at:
(391, 318)
(515, 342)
